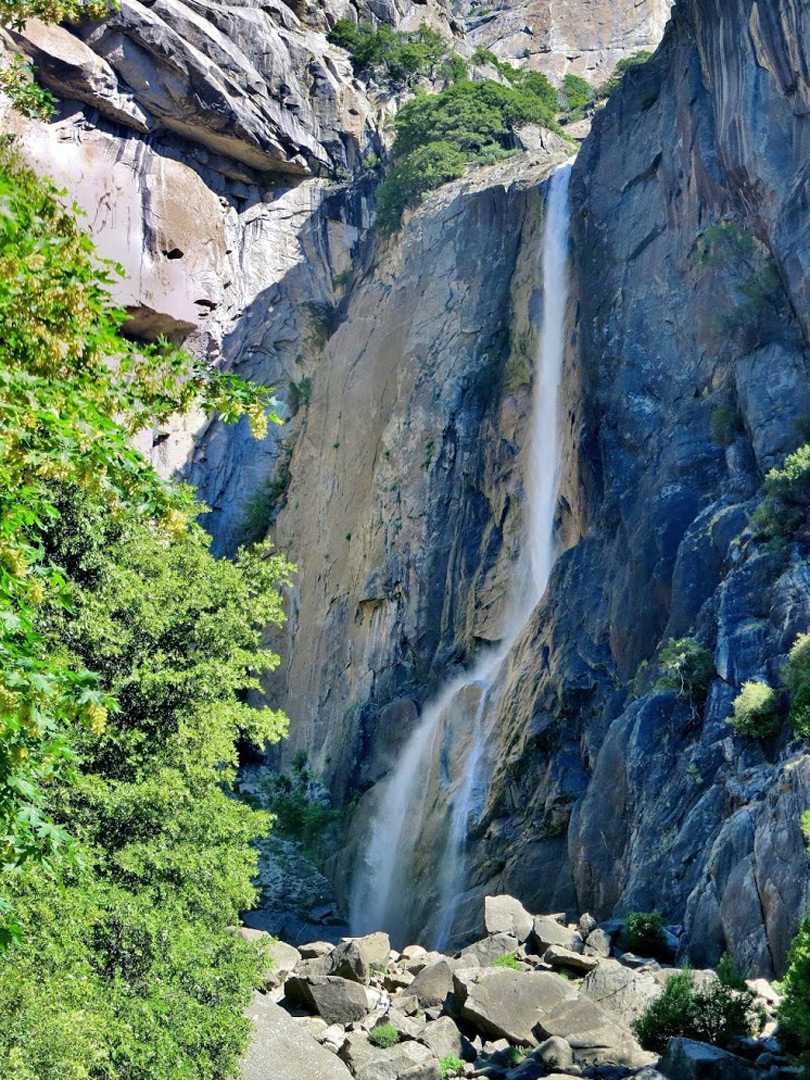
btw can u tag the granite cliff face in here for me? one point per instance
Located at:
(218, 150)
(666, 806)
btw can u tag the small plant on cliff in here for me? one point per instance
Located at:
(27, 96)
(451, 1066)
(726, 423)
(644, 933)
(715, 1013)
(688, 669)
(757, 711)
(794, 1011)
(506, 960)
(755, 296)
(796, 680)
(621, 69)
(383, 1036)
(576, 95)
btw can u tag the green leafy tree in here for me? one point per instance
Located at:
(73, 389)
(644, 933)
(124, 966)
(716, 1013)
(15, 12)
(427, 168)
(401, 56)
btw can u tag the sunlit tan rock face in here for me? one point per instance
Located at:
(584, 37)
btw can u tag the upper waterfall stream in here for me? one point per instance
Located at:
(442, 772)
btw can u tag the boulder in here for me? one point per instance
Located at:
(333, 1038)
(556, 1053)
(280, 1049)
(314, 949)
(547, 931)
(506, 915)
(314, 968)
(357, 1050)
(621, 992)
(409, 1060)
(598, 943)
(412, 952)
(688, 1060)
(557, 956)
(421, 960)
(586, 925)
(582, 1023)
(341, 1001)
(488, 949)
(433, 984)
(508, 1004)
(357, 958)
(445, 1040)
(406, 1027)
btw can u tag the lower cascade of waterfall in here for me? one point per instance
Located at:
(439, 784)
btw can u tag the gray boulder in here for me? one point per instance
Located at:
(623, 993)
(280, 1049)
(410, 1060)
(488, 949)
(357, 1050)
(688, 1060)
(506, 915)
(445, 1040)
(283, 957)
(433, 984)
(508, 1004)
(547, 931)
(598, 943)
(357, 958)
(314, 949)
(340, 1001)
(557, 956)
(555, 1052)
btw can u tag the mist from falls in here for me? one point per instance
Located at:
(451, 736)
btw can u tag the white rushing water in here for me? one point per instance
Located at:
(382, 886)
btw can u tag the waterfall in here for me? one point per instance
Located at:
(383, 883)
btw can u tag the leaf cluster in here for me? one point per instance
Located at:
(27, 96)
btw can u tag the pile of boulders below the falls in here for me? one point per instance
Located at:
(535, 997)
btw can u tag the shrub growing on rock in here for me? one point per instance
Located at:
(796, 679)
(715, 1014)
(757, 711)
(383, 1036)
(451, 1066)
(644, 933)
(506, 960)
(688, 668)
